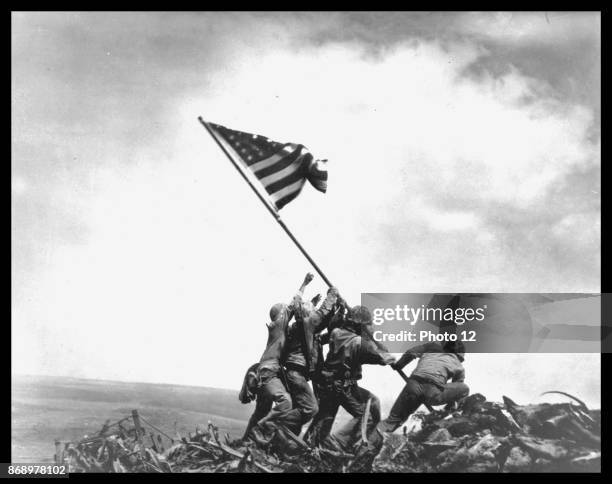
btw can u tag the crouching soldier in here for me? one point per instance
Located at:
(301, 355)
(428, 384)
(272, 388)
(350, 346)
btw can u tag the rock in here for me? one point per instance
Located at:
(518, 461)
(461, 426)
(439, 440)
(439, 435)
(542, 465)
(590, 462)
(452, 460)
(484, 466)
(485, 448)
(546, 448)
(472, 403)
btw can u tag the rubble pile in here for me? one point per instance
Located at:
(477, 436)
(121, 448)
(483, 436)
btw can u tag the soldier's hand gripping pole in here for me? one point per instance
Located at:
(383, 348)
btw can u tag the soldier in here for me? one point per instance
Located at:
(273, 390)
(248, 393)
(300, 357)
(350, 346)
(428, 382)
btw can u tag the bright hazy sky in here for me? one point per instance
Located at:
(464, 156)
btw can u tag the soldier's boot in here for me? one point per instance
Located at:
(287, 443)
(262, 434)
(331, 443)
(366, 452)
(455, 405)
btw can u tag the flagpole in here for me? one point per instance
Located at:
(265, 201)
(277, 217)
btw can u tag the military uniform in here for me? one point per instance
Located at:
(301, 354)
(248, 393)
(427, 383)
(272, 391)
(338, 387)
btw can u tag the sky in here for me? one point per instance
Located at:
(464, 156)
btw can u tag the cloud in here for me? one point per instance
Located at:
(529, 28)
(19, 185)
(562, 48)
(426, 144)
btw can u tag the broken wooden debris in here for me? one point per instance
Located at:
(476, 436)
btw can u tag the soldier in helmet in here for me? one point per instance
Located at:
(429, 382)
(273, 390)
(301, 355)
(350, 347)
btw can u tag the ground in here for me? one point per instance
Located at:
(474, 436)
(45, 409)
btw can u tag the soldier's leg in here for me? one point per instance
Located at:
(305, 404)
(263, 406)
(322, 423)
(451, 393)
(274, 390)
(364, 395)
(354, 401)
(405, 405)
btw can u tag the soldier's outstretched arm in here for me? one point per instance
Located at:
(298, 296)
(307, 280)
(411, 354)
(407, 357)
(322, 316)
(370, 354)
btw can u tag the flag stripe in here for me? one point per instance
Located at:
(280, 168)
(288, 180)
(288, 190)
(279, 165)
(260, 165)
(284, 201)
(280, 174)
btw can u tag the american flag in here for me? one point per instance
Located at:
(282, 168)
